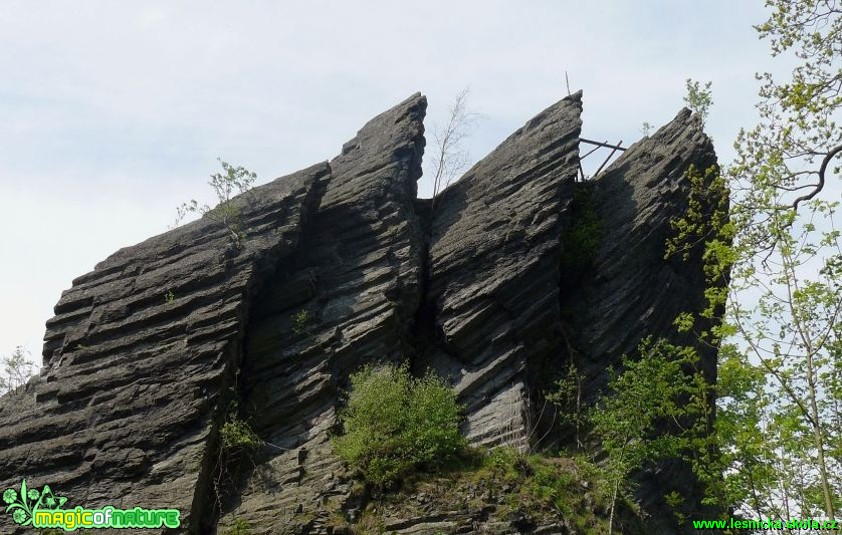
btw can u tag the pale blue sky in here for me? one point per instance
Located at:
(113, 113)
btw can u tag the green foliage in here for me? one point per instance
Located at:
(706, 231)
(238, 442)
(507, 461)
(742, 403)
(566, 396)
(396, 424)
(512, 486)
(573, 487)
(658, 408)
(233, 181)
(789, 334)
(551, 484)
(706, 216)
(783, 381)
(785, 156)
(236, 434)
(240, 527)
(169, 297)
(300, 322)
(699, 99)
(580, 243)
(15, 370)
(646, 128)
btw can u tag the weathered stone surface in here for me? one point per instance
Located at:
(342, 266)
(630, 291)
(494, 272)
(349, 298)
(138, 356)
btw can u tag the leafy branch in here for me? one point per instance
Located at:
(234, 181)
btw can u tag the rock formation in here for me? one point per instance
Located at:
(494, 272)
(340, 265)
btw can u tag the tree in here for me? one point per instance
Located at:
(798, 138)
(450, 156)
(698, 99)
(233, 181)
(786, 315)
(786, 377)
(658, 408)
(16, 370)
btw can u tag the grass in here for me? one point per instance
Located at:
(513, 486)
(240, 527)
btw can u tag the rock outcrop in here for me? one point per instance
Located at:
(339, 265)
(348, 298)
(139, 356)
(494, 272)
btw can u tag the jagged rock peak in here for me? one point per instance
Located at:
(339, 266)
(140, 354)
(494, 271)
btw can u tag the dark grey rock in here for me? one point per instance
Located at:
(340, 266)
(127, 408)
(494, 272)
(358, 284)
(630, 290)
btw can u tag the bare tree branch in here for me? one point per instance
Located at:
(450, 156)
(818, 187)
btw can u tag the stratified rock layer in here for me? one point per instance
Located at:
(138, 356)
(490, 284)
(348, 298)
(630, 290)
(494, 272)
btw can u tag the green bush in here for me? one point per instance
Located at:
(237, 434)
(396, 424)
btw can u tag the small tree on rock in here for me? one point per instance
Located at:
(226, 186)
(16, 370)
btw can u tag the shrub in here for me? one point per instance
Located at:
(236, 433)
(396, 424)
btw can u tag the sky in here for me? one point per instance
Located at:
(114, 113)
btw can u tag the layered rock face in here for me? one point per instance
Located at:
(494, 272)
(139, 356)
(630, 290)
(348, 298)
(340, 265)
